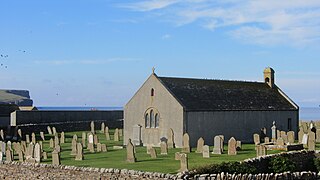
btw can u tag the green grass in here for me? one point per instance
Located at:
(117, 158)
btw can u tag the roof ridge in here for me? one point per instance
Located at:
(208, 79)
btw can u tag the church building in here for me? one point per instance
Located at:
(206, 108)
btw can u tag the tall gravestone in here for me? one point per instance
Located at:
(79, 156)
(51, 143)
(49, 130)
(186, 143)
(92, 127)
(83, 139)
(9, 156)
(90, 143)
(54, 131)
(171, 139)
(73, 147)
(55, 158)
(312, 141)
(217, 145)
(136, 135)
(290, 135)
(95, 139)
(42, 136)
(102, 127)
(153, 153)
(106, 132)
(300, 135)
(183, 162)
(200, 145)
(62, 138)
(130, 152)
(256, 139)
(116, 135)
(232, 146)
(27, 138)
(37, 153)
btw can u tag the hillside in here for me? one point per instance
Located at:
(18, 97)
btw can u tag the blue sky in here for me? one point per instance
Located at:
(99, 52)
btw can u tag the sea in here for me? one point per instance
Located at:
(306, 113)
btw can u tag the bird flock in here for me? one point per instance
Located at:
(5, 57)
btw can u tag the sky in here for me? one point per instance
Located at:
(99, 52)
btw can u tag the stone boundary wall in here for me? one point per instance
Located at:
(36, 121)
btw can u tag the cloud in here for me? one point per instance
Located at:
(290, 22)
(88, 62)
(166, 36)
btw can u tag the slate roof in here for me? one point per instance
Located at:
(211, 95)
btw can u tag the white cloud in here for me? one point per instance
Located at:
(291, 22)
(166, 36)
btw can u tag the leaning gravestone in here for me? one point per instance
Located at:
(312, 141)
(49, 130)
(153, 153)
(164, 148)
(1, 134)
(106, 132)
(92, 127)
(37, 153)
(54, 131)
(183, 162)
(62, 138)
(200, 145)
(170, 138)
(79, 156)
(205, 151)
(130, 152)
(55, 158)
(232, 146)
(217, 145)
(20, 133)
(116, 135)
(42, 136)
(186, 143)
(290, 135)
(102, 127)
(256, 139)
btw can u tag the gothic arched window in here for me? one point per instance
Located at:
(147, 120)
(152, 122)
(152, 92)
(157, 120)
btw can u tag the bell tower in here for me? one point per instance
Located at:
(268, 74)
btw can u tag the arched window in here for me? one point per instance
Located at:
(152, 92)
(157, 120)
(152, 122)
(147, 120)
(267, 80)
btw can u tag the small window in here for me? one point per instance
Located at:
(267, 80)
(152, 122)
(157, 120)
(147, 120)
(289, 124)
(152, 92)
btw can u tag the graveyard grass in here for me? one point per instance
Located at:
(117, 158)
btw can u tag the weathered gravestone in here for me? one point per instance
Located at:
(58, 148)
(30, 151)
(261, 150)
(90, 143)
(42, 136)
(282, 134)
(164, 148)
(304, 140)
(116, 135)
(83, 139)
(149, 146)
(79, 155)
(106, 132)
(186, 143)
(95, 139)
(74, 147)
(130, 152)
(51, 143)
(183, 162)
(239, 145)
(104, 148)
(256, 139)
(290, 135)
(312, 141)
(300, 135)
(171, 139)
(200, 145)
(222, 142)
(20, 155)
(27, 138)
(9, 156)
(153, 153)
(49, 130)
(56, 140)
(205, 151)
(232, 146)
(44, 155)
(37, 153)
(54, 131)
(217, 145)
(99, 148)
(92, 127)
(1, 134)
(285, 138)
(55, 158)
(280, 142)
(266, 140)
(62, 137)
(1, 157)
(102, 127)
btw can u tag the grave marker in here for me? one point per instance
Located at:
(232, 146)
(186, 143)
(171, 138)
(205, 151)
(130, 152)
(217, 145)
(200, 145)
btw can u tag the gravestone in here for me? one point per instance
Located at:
(62, 138)
(200, 145)
(56, 140)
(261, 150)
(92, 127)
(102, 127)
(205, 151)
(285, 138)
(170, 139)
(1, 134)
(300, 135)
(84, 139)
(273, 132)
(256, 139)
(304, 140)
(120, 132)
(37, 153)
(136, 134)
(186, 144)
(280, 142)
(95, 139)
(183, 162)
(290, 135)
(153, 153)
(1, 157)
(55, 158)
(41, 144)
(149, 146)
(217, 145)
(232, 146)
(130, 152)
(44, 155)
(104, 148)
(90, 142)
(79, 155)
(42, 136)
(177, 156)
(239, 145)
(54, 131)
(278, 134)
(266, 140)
(49, 130)
(164, 148)
(282, 134)
(9, 156)
(116, 135)
(318, 135)
(75, 137)
(29, 151)
(222, 142)
(51, 143)
(99, 148)
(106, 132)
(19, 133)
(27, 138)
(73, 147)
(312, 141)
(58, 148)
(20, 155)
